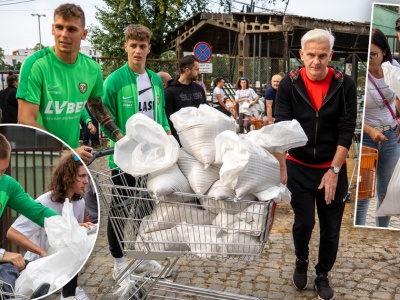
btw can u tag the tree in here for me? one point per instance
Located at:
(160, 16)
(2, 63)
(38, 46)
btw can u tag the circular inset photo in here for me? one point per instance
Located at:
(48, 214)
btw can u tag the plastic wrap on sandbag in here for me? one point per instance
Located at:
(277, 193)
(250, 221)
(197, 129)
(162, 240)
(279, 137)
(200, 178)
(223, 200)
(146, 148)
(246, 167)
(166, 215)
(167, 181)
(391, 204)
(68, 251)
(241, 243)
(391, 75)
(203, 241)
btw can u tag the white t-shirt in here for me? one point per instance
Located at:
(145, 95)
(245, 94)
(217, 91)
(376, 111)
(37, 234)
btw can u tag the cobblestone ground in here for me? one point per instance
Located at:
(367, 266)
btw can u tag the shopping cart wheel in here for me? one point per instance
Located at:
(42, 290)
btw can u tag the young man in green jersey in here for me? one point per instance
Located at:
(14, 196)
(129, 90)
(56, 82)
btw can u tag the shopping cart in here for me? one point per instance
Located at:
(367, 176)
(7, 291)
(153, 229)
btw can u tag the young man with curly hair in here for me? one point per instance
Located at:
(68, 181)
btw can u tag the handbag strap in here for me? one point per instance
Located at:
(383, 97)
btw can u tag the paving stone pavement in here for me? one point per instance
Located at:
(367, 265)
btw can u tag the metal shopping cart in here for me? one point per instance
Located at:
(177, 225)
(7, 291)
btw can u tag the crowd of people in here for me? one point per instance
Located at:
(321, 98)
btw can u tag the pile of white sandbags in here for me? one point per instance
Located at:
(209, 196)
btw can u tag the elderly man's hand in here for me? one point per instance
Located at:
(15, 258)
(329, 182)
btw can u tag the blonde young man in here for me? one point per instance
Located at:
(56, 82)
(129, 90)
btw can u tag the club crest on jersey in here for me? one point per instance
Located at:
(83, 87)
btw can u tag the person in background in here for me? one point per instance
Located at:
(68, 181)
(316, 173)
(270, 95)
(165, 77)
(8, 100)
(90, 130)
(246, 97)
(397, 27)
(14, 196)
(56, 82)
(129, 90)
(381, 130)
(219, 97)
(201, 84)
(183, 91)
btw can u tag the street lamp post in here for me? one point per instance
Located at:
(40, 36)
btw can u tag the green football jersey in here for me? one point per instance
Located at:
(61, 91)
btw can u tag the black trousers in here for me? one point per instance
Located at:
(303, 183)
(126, 203)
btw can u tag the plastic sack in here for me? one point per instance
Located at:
(240, 243)
(246, 167)
(162, 240)
(391, 75)
(197, 129)
(146, 148)
(276, 193)
(279, 137)
(200, 178)
(69, 248)
(391, 204)
(167, 181)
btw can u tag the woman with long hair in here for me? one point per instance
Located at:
(246, 97)
(380, 127)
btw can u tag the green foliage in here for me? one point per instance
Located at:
(160, 16)
(37, 47)
(2, 63)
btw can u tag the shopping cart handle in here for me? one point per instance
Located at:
(100, 153)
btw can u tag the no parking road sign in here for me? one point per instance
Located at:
(202, 51)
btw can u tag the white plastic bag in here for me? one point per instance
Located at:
(146, 148)
(246, 167)
(391, 75)
(279, 137)
(69, 248)
(391, 204)
(197, 129)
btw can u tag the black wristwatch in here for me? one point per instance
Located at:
(335, 170)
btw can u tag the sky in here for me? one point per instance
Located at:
(20, 30)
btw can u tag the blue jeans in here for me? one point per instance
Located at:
(9, 274)
(389, 153)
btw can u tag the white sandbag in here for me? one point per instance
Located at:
(246, 167)
(167, 181)
(391, 204)
(241, 243)
(200, 178)
(202, 240)
(162, 240)
(197, 129)
(391, 75)
(223, 200)
(166, 215)
(146, 148)
(276, 193)
(67, 240)
(279, 137)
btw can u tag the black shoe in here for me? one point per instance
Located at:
(323, 288)
(300, 279)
